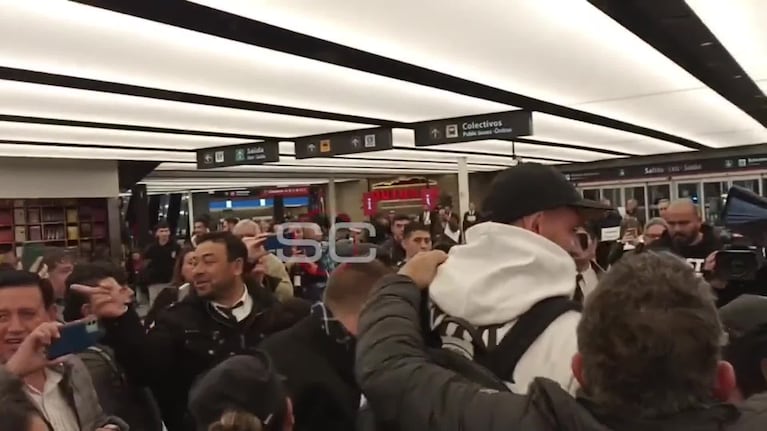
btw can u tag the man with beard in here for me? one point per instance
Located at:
(688, 236)
(225, 317)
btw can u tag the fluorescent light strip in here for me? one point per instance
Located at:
(11, 131)
(75, 35)
(591, 62)
(35, 100)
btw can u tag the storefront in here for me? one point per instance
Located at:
(274, 203)
(403, 196)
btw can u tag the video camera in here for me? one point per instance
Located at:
(744, 254)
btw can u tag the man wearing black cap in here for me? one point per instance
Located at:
(241, 390)
(516, 264)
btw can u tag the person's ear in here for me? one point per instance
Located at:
(726, 384)
(238, 266)
(577, 367)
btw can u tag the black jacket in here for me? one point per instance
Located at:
(694, 254)
(187, 339)
(404, 386)
(319, 372)
(392, 250)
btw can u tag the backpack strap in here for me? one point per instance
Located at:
(529, 326)
(109, 360)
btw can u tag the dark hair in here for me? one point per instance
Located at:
(19, 278)
(204, 219)
(16, 409)
(162, 224)
(53, 256)
(746, 351)
(235, 248)
(401, 217)
(650, 337)
(414, 227)
(231, 220)
(178, 279)
(88, 274)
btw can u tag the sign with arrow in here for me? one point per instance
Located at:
(351, 142)
(254, 153)
(500, 125)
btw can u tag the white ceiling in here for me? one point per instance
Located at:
(740, 26)
(571, 54)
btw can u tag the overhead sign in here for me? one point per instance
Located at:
(336, 144)
(690, 167)
(254, 153)
(501, 125)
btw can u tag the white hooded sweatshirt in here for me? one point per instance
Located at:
(498, 275)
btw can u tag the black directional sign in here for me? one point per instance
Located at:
(501, 125)
(336, 144)
(254, 153)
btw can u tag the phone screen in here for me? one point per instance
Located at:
(272, 243)
(75, 338)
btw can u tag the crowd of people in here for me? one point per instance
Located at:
(518, 317)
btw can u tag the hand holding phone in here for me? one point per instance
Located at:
(75, 337)
(30, 356)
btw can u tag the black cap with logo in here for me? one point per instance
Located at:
(528, 188)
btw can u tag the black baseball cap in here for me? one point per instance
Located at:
(245, 383)
(744, 314)
(529, 188)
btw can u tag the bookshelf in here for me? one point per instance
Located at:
(71, 223)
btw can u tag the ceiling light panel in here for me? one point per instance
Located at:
(329, 171)
(697, 114)
(85, 152)
(571, 54)
(739, 26)
(528, 150)
(556, 129)
(94, 43)
(35, 100)
(11, 131)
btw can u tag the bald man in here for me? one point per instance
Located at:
(690, 237)
(273, 266)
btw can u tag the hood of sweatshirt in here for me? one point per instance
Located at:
(500, 273)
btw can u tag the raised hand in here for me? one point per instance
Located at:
(108, 299)
(422, 268)
(31, 357)
(255, 246)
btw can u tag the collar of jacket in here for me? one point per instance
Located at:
(262, 300)
(569, 413)
(713, 416)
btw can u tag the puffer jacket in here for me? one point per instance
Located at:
(404, 387)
